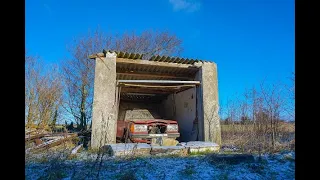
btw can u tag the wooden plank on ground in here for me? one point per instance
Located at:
(32, 137)
(51, 143)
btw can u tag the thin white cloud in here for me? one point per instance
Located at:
(186, 5)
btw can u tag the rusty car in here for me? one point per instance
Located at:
(145, 129)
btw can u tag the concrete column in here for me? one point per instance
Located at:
(199, 103)
(212, 129)
(104, 110)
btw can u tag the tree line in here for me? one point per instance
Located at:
(65, 90)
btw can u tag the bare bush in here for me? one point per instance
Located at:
(149, 43)
(256, 122)
(43, 93)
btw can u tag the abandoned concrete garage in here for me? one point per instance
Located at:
(185, 90)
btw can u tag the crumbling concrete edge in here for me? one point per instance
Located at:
(143, 149)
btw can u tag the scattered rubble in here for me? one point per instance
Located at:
(31, 137)
(46, 141)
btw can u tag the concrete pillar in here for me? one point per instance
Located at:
(211, 120)
(199, 104)
(104, 110)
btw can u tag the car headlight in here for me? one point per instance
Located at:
(172, 127)
(138, 128)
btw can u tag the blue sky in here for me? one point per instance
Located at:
(250, 40)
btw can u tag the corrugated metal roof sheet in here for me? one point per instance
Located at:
(154, 69)
(177, 72)
(121, 54)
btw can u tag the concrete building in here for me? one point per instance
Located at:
(185, 90)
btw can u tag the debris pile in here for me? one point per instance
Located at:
(37, 140)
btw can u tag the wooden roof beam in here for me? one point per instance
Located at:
(154, 75)
(145, 91)
(157, 86)
(159, 82)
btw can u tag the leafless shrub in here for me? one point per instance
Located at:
(255, 123)
(43, 93)
(149, 43)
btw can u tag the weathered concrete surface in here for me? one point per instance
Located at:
(211, 120)
(127, 149)
(185, 114)
(200, 146)
(169, 150)
(143, 149)
(168, 107)
(104, 110)
(182, 108)
(199, 105)
(138, 110)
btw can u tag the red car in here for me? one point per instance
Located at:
(146, 130)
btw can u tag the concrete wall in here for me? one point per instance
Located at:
(130, 110)
(185, 114)
(200, 116)
(104, 110)
(182, 108)
(168, 108)
(212, 129)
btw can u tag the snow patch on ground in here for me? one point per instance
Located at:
(277, 166)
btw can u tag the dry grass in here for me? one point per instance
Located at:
(249, 140)
(240, 128)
